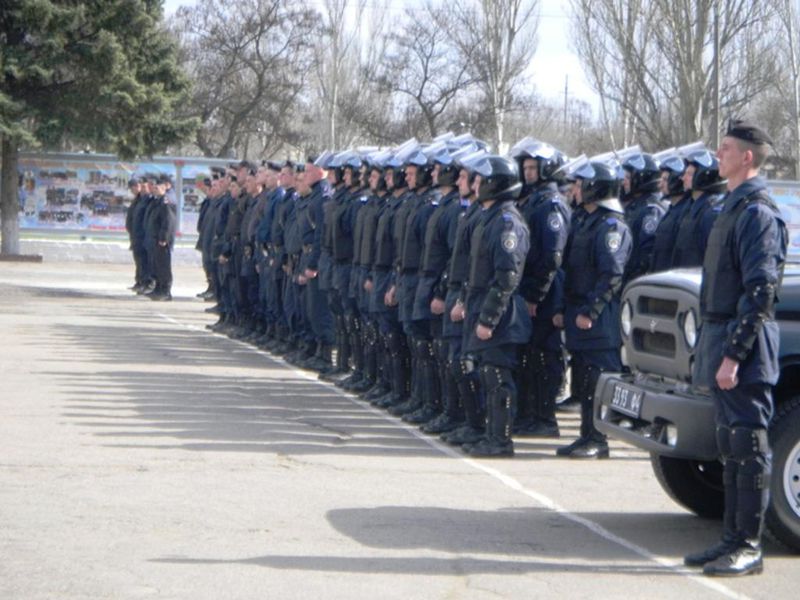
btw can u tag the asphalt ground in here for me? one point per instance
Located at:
(144, 457)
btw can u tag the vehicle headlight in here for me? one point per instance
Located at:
(626, 317)
(672, 435)
(690, 329)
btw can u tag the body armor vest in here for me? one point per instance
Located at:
(435, 250)
(459, 264)
(689, 249)
(722, 277)
(581, 264)
(342, 240)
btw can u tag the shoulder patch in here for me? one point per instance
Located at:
(650, 224)
(509, 240)
(555, 222)
(613, 240)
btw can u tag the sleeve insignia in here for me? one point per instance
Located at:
(509, 241)
(613, 240)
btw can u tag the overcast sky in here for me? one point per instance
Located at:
(553, 59)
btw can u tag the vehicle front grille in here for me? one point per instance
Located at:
(659, 307)
(656, 344)
(661, 344)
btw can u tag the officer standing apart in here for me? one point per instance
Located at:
(737, 354)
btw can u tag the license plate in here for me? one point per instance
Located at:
(627, 400)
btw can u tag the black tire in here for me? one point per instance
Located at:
(783, 516)
(696, 485)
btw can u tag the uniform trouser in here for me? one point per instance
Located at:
(142, 275)
(539, 379)
(319, 313)
(208, 267)
(235, 282)
(290, 308)
(425, 375)
(743, 416)
(399, 354)
(305, 332)
(465, 376)
(587, 365)
(249, 286)
(376, 351)
(351, 318)
(217, 274)
(495, 369)
(264, 276)
(275, 290)
(162, 267)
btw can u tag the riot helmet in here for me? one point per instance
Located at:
(644, 172)
(671, 163)
(548, 158)
(600, 180)
(706, 176)
(396, 163)
(499, 178)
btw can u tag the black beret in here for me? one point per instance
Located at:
(748, 132)
(164, 178)
(233, 178)
(275, 166)
(206, 182)
(253, 171)
(300, 168)
(218, 170)
(288, 163)
(133, 181)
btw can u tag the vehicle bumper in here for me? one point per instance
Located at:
(670, 422)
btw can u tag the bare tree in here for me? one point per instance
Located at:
(653, 63)
(425, 67)
(247, 59)
(497, 39)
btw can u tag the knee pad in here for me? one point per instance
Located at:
(746, 443)
(723, 434)
(750, 450)
(588, 380)
(493, 378)
(467, 365)
(441, 347)
(394, 343)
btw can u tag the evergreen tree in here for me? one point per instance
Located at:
(100, 72)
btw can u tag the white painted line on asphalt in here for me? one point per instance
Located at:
(503, 478)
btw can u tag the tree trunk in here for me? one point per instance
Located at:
(9, 197)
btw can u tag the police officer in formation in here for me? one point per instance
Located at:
(151, 223)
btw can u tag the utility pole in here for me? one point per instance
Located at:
(566, 99)
(716, 121)
(790, 25)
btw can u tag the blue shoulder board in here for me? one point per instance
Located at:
(507, 217)
(612, 221)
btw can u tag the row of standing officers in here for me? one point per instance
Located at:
(451, 285)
